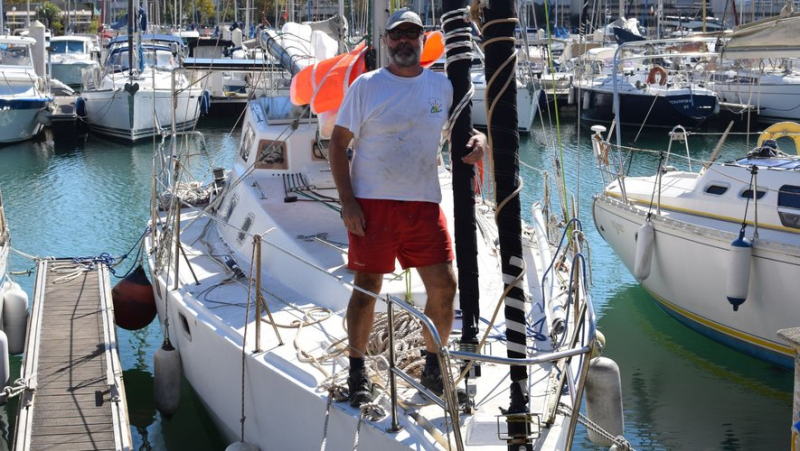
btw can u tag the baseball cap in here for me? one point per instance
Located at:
(402, 16)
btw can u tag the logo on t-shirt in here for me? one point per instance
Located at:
(436, 105)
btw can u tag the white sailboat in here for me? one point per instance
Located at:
(695, 216)
(251, 287)
(771, 86)
(137, 93)
(715, 244)
(278, 202)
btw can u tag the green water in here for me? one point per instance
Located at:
(680, 390)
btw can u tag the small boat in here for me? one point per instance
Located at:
(138, 94)
(70, 56)
(715, 246)
(24, 100)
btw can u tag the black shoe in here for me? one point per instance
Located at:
(360, 388)
(435, 384)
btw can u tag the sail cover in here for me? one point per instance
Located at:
(777, 37)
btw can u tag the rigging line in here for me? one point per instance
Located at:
(655, 98)
(244, 338)
(655, 186)
(560, 148)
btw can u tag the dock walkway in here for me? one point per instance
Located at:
(75, 397)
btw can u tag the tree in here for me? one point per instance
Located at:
(52, 17)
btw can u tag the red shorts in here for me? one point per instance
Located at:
(414, 233)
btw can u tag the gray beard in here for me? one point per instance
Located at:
(405, 57)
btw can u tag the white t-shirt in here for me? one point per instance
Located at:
(397, 124)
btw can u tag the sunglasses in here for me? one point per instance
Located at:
(410, 33)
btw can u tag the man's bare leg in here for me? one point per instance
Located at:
(360, 317)
(361, 312)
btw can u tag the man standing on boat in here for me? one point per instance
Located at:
(390, 194)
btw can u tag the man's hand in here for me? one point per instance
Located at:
(353, 218)
(479, 146)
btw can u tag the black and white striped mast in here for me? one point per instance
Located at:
(499, 22)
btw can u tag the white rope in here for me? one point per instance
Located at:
(327, 417)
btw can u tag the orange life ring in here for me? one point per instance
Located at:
(662, 76)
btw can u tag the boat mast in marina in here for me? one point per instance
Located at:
(459, 59)
(498, 32)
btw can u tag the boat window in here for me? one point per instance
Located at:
(271, 155)
(716, 189)
(247, 142)
(789, 206)
(231, 206)
(66, 47)
(15, 54)
(248, 222)
(120, 61)
(748, 194)
(160, 60)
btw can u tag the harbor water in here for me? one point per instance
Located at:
(681, 391)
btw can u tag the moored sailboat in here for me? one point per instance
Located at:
(714, 243)
(251, 288)
(141, 89)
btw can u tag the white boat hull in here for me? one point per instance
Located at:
(776, 102)
(689, 272)
(19, 119)
(144, 114)
(527, 100)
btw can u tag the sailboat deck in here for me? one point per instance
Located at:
(75, 398)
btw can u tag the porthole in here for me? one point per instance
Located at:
(231, 207)
(716, 190)
(748, 194)
(248, 222)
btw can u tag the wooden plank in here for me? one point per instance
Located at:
(97, 445)
(72, 407)
(72, 429)
(56, 411)
(75, 439)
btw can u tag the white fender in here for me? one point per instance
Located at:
(604, 399)
(738, 283)
(599, 344)
(586, 100)
(645, 237)
(167, 379)
(571, 96)
(15, 318)
(5, 368)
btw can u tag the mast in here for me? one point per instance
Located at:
(704, 16)
(459, 59)
(501, 95)
(130, 36)
(247, 19)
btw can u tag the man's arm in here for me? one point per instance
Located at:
(352, 215)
